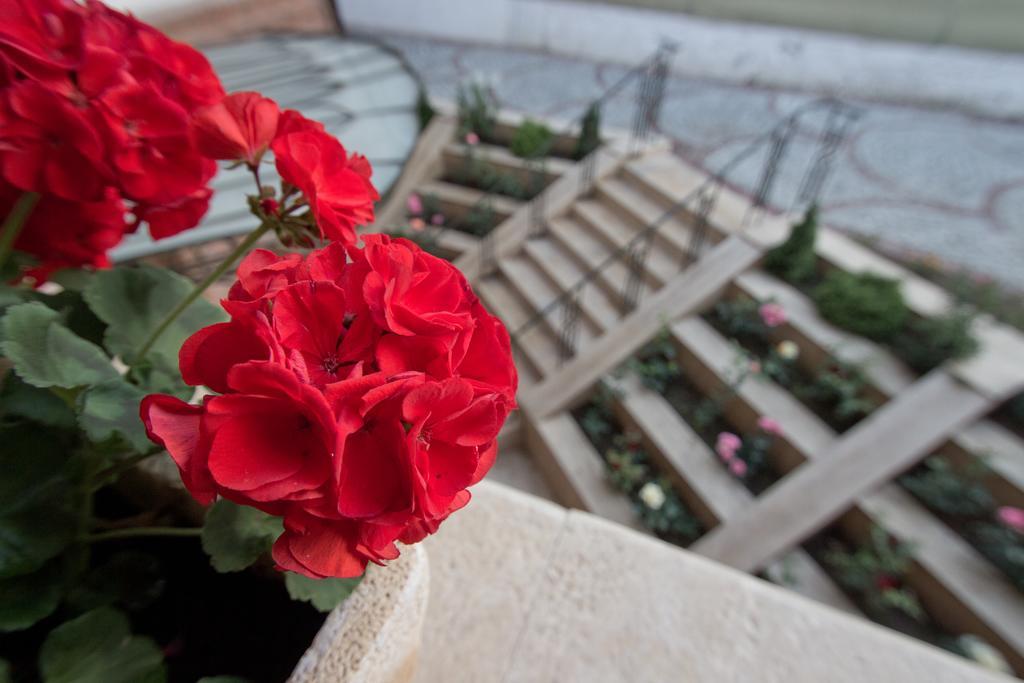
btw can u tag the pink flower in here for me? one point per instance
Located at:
(772, 314)
(437, 219)
(755, 367)
(417, 224)
(769, 426)
(738, 467)
(414, 204)
(472, 138)
(1011, 517)
(726, 445)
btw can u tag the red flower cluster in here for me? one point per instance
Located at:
(334, 185)
(361, 391)
(95, 111)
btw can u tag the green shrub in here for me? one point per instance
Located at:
(863, 303)
(877, 571)
(590, 132)
(929, 342)
(794, 260)
(957, 492)
(531, 140)
(424, 110)
(477, 108)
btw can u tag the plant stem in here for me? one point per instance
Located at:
(122, 466)
(197, 291)
(14, 222)
(144, 532)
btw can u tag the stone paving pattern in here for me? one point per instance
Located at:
(919, 180)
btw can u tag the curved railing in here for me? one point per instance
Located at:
(700, 201)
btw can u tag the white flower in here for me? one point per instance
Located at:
(787, 350)
(652, 495)
(984, 654)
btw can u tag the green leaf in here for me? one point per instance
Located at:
(133, 300)
(24, 600)
(23, 401)
(234, 536)
(111, 409)
(155, 376)
(98, 647)
(47, 354)
(36, 519)
(74, 279)
(324, 594)
(5, 671)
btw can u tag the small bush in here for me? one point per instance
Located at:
(929, 342)
(877, 571)
(590, 132)
(794, 260)
(951, 491)
(531, 140)
(1003, 547)
(866, 304)
(477, 108)
(424, 110)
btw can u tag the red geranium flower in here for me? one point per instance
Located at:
(336, 186)
(95, 107)
(239, 128)
(360, 396)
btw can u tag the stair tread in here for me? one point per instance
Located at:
(539, 292)
(561, 268)
(537, 345)
(618, 232)
(634, 202)
(591, 253)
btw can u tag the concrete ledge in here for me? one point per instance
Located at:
(524, 590)
(374, 636)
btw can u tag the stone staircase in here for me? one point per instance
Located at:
(588, 240)
(585, 237)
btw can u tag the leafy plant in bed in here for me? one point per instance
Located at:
(745, 457)
(630, 470)
(871, 305)
(962, 499)
(292, 413)
(836, 391)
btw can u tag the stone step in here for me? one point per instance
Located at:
(536, 345)
(541, 293)
(619, 234)
(632, 202)
(562, 269)
(591, 253)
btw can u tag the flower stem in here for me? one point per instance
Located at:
(14, 222)
(201, 287)
(117, 469)
(145, 532)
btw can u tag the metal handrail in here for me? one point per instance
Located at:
(649, 231)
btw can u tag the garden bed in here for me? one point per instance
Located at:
(631, 470)
(473, 167)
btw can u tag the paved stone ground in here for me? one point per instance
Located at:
(919, 180)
